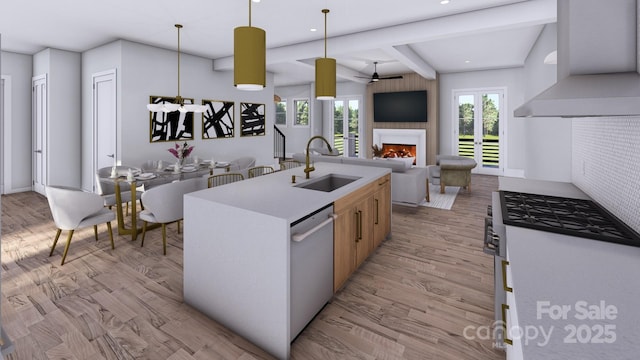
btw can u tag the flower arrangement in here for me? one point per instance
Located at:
(181, 152)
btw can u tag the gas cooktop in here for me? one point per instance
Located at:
(575, 217)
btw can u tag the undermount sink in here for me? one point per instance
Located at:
(328, 183)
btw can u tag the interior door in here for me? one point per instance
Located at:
(104, 120)
(39, 114)
(347, 126)
(479, 127)
(3, 134)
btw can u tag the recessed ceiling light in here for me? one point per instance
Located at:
(444, 2)
(467, 61)
(256, 1)
(313, 29)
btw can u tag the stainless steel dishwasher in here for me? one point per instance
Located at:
(311, 261)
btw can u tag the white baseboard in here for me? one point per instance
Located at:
(18, 190)
(519, 173)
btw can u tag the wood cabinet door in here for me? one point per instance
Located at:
(382, 211)
(363, 213)
(344, 247)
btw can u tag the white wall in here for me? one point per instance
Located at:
(512, 80)
(547, 143)
(19, 67)
(606, 164)
(144, 71)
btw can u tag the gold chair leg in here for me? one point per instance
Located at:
(113, 246)
(95, 231)
(66, 247)
(144, 232)
(55, 241)
(164, 239)
(441, 187)
(126, 212)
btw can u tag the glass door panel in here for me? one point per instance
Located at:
(346, 126)
(466, 125)
(354, 129)
(338, 125)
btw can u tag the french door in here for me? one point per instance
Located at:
(347, 126)
(479, 115)
(40, 149)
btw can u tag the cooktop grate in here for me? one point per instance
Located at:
(575, 217)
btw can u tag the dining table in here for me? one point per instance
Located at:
(149, 179)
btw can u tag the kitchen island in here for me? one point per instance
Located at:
(238, 248)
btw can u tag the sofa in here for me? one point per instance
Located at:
(451, 170)
(408, 183)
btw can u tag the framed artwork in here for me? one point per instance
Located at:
(218, 119)
(171, 126)
(252, 121)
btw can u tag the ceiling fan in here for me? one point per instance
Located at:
(375, 77)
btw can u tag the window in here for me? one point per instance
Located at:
(301, 107)
(281, 113)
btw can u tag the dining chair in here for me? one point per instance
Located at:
(259, 171)
(164, 204)
(73, 209)
(241, 165)
(289, 164)
(221, 179)
(107, 189)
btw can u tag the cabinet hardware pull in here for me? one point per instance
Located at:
(377, 211)
(384, 182)
(359, 225)
(301, 236)
(505, 307)
(504, 276)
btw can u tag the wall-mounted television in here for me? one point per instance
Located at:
(402, 106)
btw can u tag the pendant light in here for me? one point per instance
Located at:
(178, 104)
(325, 70)
(249, 57)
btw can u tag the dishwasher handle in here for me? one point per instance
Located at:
(301, 236)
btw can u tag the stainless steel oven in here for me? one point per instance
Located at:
(495, 244)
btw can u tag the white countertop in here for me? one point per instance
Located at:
(542, 187)
(275, 195)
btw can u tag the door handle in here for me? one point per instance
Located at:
(299, 237)
(37, 151)
(111, 156)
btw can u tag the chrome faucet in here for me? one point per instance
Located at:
(308, 168)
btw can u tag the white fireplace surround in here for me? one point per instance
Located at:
(417, 137)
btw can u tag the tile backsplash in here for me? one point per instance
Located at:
(606, 164)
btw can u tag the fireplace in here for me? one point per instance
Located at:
(398, 151)
(409, 140)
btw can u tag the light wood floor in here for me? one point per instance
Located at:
(410, 300)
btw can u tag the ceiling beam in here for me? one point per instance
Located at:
(413, 61)
(516, 15)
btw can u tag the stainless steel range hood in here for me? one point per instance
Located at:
(597, 62)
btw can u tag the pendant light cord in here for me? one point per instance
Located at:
(179, 27)
(249, 13)
(325, 11)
